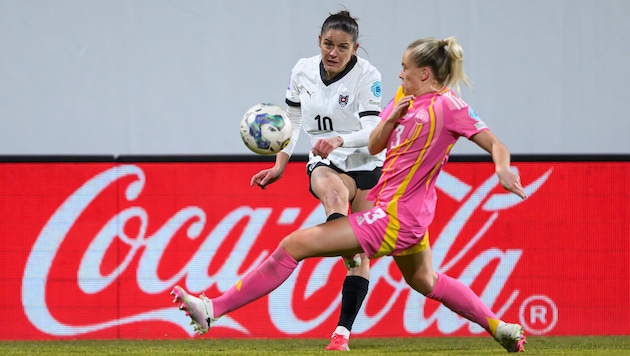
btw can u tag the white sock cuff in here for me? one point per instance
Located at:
(341, 330)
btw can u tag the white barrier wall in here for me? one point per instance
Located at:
(175, 76)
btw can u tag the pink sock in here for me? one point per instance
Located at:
(459, 298)
(261, 281)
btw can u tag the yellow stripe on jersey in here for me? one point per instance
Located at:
(448, 150)
(394, 150)
(438, 165)
(391, 233)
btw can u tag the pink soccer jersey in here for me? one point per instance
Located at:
(418, 147)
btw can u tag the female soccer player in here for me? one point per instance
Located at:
(336, 96)
(418, 131)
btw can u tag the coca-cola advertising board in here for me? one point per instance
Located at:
(92, 250)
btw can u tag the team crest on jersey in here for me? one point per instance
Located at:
(422, 116)
(344, 98)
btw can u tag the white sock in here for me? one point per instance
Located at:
(341, 330)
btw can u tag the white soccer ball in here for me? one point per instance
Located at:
(266, 129)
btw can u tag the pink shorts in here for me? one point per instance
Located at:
(380, 234)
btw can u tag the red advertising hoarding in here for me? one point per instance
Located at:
(92, 250)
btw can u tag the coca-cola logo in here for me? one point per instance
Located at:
(147, 249)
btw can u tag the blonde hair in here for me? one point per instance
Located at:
(444, 57)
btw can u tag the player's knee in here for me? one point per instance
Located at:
(288, 242)
(293, 245)
(332, 197)
(422, 282)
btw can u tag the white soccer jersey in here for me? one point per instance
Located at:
(331, 108)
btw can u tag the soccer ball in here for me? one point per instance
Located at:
(266, 129)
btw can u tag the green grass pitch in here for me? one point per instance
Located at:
(584, 345)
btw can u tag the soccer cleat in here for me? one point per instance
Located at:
(338, 343)
(511, 337)
(352, 261)
(200, 310)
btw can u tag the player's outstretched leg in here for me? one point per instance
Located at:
(200, 310)
(261, 281)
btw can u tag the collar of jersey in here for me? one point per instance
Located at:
(322, 72)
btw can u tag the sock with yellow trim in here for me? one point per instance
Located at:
(262, 280)
(459, 298)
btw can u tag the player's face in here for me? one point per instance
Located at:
(411, 75)
(337, 49)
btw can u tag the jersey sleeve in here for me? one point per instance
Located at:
(369, 95)
(369, 100)
(295, 115)
(464, 121)
(292, 97)
(294, 112)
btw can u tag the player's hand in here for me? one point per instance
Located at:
(512, 182)
(324, 146)
(400, 109)
(265, 177)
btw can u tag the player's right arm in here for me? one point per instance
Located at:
(270, 175)
(382, 132)
(294, 113)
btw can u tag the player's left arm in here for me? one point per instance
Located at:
(369, 100)
(368, 96)
(358, 138)
(369, 107)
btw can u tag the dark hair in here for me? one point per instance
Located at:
(344, 22)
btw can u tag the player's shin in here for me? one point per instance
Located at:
(353, 293)
(459, 298)
(269, 275)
